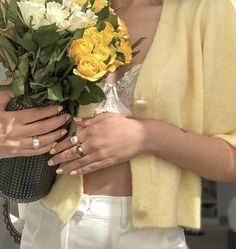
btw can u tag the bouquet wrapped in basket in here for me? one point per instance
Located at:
(54, 52)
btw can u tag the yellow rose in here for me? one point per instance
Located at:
(125, 48)
(112, 67)
(80, 48)
(91, 68)
(93, 34)
(108, 33)
(122, 29)
(81, 3)
(105, 52)
(99, 5)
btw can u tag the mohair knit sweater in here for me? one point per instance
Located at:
(188, 79)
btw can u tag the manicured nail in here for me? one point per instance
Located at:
(64, 132)
(73, 173)
(78, 119)
(60, 108)
(52, 151)
(54, 144)
(59, 171)
(50, 162)
(68, 117)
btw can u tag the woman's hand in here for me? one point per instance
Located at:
(18, 128)
(106, 140)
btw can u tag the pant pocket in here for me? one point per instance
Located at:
(176, 238)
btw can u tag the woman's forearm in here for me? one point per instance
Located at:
(209, 157)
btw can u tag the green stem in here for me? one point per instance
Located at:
(36, 60)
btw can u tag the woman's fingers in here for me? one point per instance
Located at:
(44, 126)
(67, 155)
(33, 152)
(32, 115)
(44, 140)
(66, 144)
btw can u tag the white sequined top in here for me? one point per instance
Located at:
(119, 96)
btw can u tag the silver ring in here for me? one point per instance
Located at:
(79, 151)
(35, 143)
(74, 139)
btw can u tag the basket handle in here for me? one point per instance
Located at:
(7, 220)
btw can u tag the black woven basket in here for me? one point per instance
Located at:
(26, 179)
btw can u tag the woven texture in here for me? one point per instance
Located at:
(25, 179)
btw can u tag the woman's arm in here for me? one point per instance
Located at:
(110, 139)
(209, 157)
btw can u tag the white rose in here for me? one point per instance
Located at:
(34, 1)
(79, 20)
(58, 14)
(32, 10)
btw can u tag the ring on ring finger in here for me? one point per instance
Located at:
(79, 151)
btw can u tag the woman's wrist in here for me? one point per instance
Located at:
(153, 133)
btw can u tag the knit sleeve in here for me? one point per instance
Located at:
(219, 57)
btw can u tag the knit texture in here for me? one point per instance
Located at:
(188, 79)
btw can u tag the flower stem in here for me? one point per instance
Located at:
(36, 60)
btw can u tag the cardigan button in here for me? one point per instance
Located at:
(141, 104)
(141, 212)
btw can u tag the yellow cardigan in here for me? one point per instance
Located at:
(188, 79)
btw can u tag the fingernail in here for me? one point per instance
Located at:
(59, 171)
(60, 108)
(52, 151)
(78, 119)
(68, 117)
(64, 132)
(73, 173)
(54, 144)
(50, 162)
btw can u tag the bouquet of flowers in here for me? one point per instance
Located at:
(55, 51)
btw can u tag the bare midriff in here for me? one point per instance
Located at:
(142, 21)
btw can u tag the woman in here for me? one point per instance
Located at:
(182, 127)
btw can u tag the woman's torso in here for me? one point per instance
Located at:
(142, 21)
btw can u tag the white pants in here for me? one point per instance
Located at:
(100, 222)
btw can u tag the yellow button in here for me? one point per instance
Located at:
(141, 104)
(141, 212)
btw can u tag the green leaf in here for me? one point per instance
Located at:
(138, 42)
(120, 57)
(12, 13)
(135, 53)
(46, 36)
(46, 54)
(103, 14)
(44, 72)
(78, 34)
(113, 19)
(77, 86)
(24, 66)
(18, 86)
(27, 43)
(101, 26)
(95, 95)
(55, 92)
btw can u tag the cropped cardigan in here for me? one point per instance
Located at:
(188, 79)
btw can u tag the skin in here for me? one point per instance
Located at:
(110, 140)
(18, 128)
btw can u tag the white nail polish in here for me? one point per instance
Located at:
(60, 108)
(59, 171)
(73, 173)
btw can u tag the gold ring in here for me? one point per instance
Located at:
(79, 151)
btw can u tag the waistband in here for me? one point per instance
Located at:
(106, 206)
